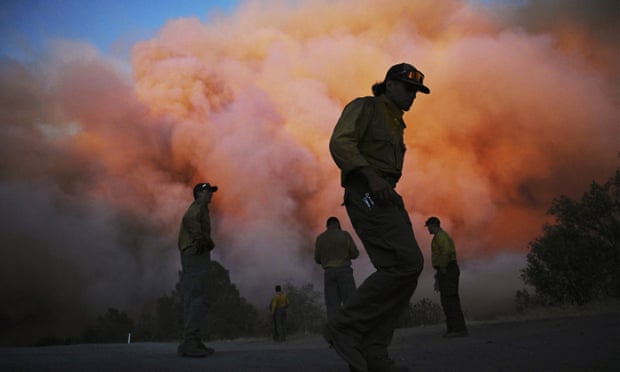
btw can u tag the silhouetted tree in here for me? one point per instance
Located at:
(577, 259)
(424, 312)
(306, 313)
(229, 315)
(113, 326)
(163, 320)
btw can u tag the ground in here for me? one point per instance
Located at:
(580, 343)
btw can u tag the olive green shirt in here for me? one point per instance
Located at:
(442, 250)
(334, 248)
(369, 133)
(196, 228)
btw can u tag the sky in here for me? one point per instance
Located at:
(112, 26)
(110, 113)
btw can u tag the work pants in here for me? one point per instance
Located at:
(194, 283)
(338, 285)
(279, 319)
(448, 284)
(372, 312)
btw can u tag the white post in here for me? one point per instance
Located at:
(129, 338)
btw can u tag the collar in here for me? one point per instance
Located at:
(391, 108)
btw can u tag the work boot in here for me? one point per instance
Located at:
(194, 349)
(385, 364)
(345, 347)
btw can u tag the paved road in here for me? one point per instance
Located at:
(587, 343)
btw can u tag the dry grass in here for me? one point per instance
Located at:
(595, 307)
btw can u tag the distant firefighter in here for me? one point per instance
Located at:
(279, 304)
(334, 249)
(447, 274)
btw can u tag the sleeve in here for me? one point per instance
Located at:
(317, 254)
(347, 133)
(205, 227)
(193, 224)
(274, 304)
(353, 252)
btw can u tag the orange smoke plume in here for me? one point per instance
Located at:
(518, 114)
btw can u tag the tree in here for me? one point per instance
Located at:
(424, 312)
(163, 320)
(113, 326)
(230, 315)
(306, 313)
(577, 259)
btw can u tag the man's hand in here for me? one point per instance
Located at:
(380, 189)
(200, 249)
(204, 245)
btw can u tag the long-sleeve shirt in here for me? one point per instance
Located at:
(443, 250)
(369, 133)
(334, 248)
(279, 300)
(196, 227)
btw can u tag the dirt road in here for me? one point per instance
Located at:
(586, 343)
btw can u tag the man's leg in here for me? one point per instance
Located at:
(377, 339)
(368, 318)
(280, 324)
(450, 299)
(276, 336)
(330, 289)
(346, 283)
(195, 271)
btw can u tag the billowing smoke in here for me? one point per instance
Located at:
(97, 164)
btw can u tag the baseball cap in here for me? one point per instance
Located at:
(432, 221)
(409, 74)
(203, 186)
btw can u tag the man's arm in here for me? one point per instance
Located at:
(353, 251)
(317, 254)
(205, 227)
(344, 149)
(193, 224)
(343, 144)
(274, 304)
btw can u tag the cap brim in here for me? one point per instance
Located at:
(422, 88)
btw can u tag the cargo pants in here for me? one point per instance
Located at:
(194, 282)
(448, 283)
(372, 312)
(338, 285)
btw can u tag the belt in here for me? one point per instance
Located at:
(357, 179)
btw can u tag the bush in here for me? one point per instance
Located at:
(113, 326)
(576, 260)
(425, 312)
(306, 313)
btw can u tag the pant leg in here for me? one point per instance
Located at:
(276, 336)
(346, 284)
(280, 318)
(450, 300)
(195, 272)
(373, 311)
(330, 290)
(370, 314)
